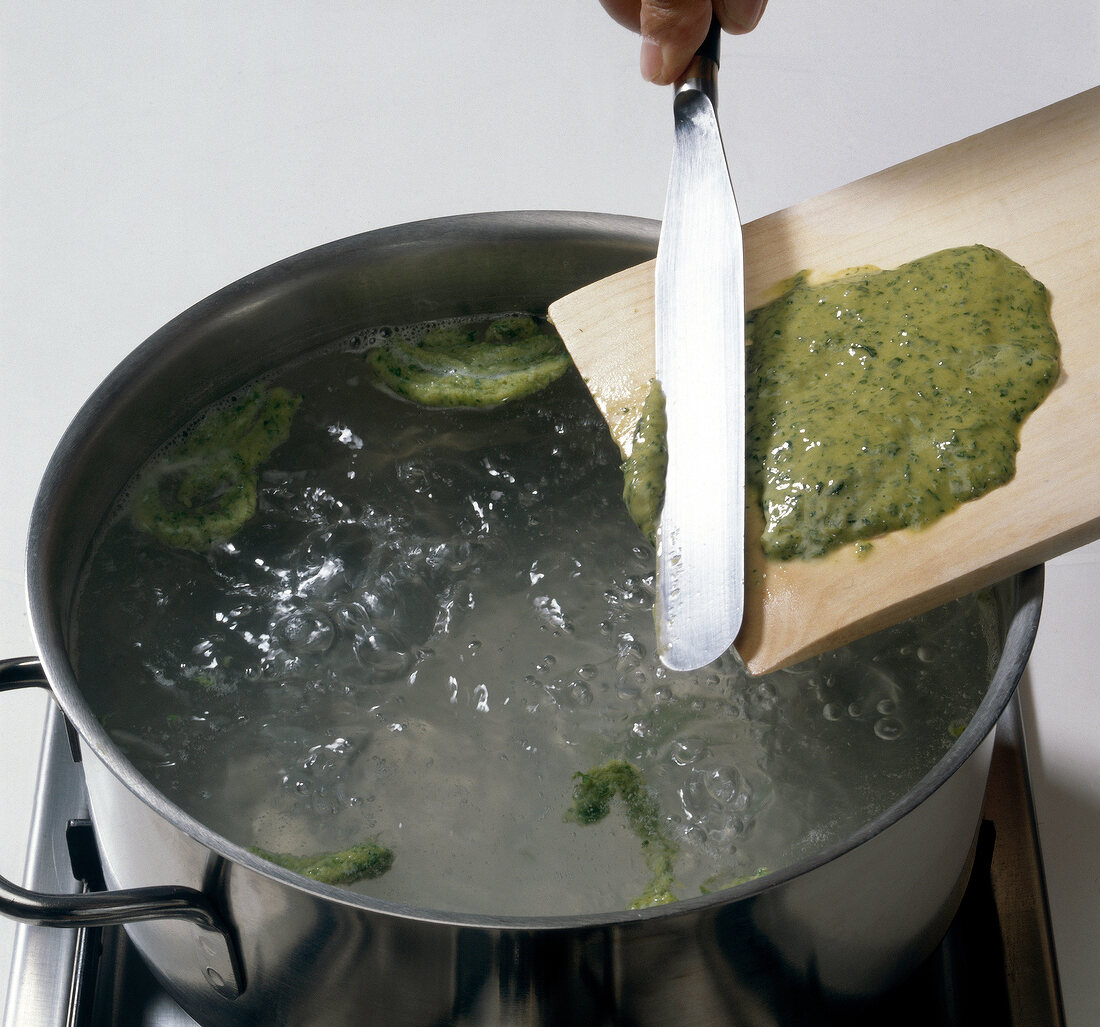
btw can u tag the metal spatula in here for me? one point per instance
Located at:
(700, 354)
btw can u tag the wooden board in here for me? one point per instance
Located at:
(1031, 188)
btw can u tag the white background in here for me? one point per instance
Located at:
(151, 153)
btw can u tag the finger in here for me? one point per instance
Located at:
(625, 12)
(672, 30)
(735, 16)
(739, 16)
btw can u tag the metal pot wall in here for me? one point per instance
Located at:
(239, 941)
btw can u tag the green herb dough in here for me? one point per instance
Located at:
(467, 367)
(644, 470)
(347, 866)
(201, 489)
(592, 795)
(884, 399)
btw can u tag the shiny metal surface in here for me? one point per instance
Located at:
(56, 974)
(83, 910)
(996, 963)
(1019, 884)
(40, 990)
(847, 922)
(700, 350)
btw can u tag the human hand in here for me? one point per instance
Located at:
(672, 30)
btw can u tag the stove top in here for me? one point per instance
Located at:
(995, 965)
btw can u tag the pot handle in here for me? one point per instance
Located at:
(129, 905)
(21, 672)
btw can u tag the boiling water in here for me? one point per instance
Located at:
(436, 619)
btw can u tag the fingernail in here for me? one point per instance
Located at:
(652, 59)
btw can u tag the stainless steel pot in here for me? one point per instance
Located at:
(239, 941)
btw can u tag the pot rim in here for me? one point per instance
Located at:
(48, 632)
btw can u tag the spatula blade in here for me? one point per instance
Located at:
(700, 354)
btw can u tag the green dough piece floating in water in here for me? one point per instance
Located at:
(592, 796)
(203, 488)
(360, 862)
(464, 367)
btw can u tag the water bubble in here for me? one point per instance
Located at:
(695, 799)
(725, 785)
(694, 834)
(569, 695)
(405, 607)
(626, 690)
(832, 711)
(456, 557)
(581, 693)
(306, 631)
(382, 656)
(634, 592)
(549, 611)
(715, 798)
(889, 729)
(324, 581)
(352, 616)
(630, 653)
(763, 699)
(686, 751)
